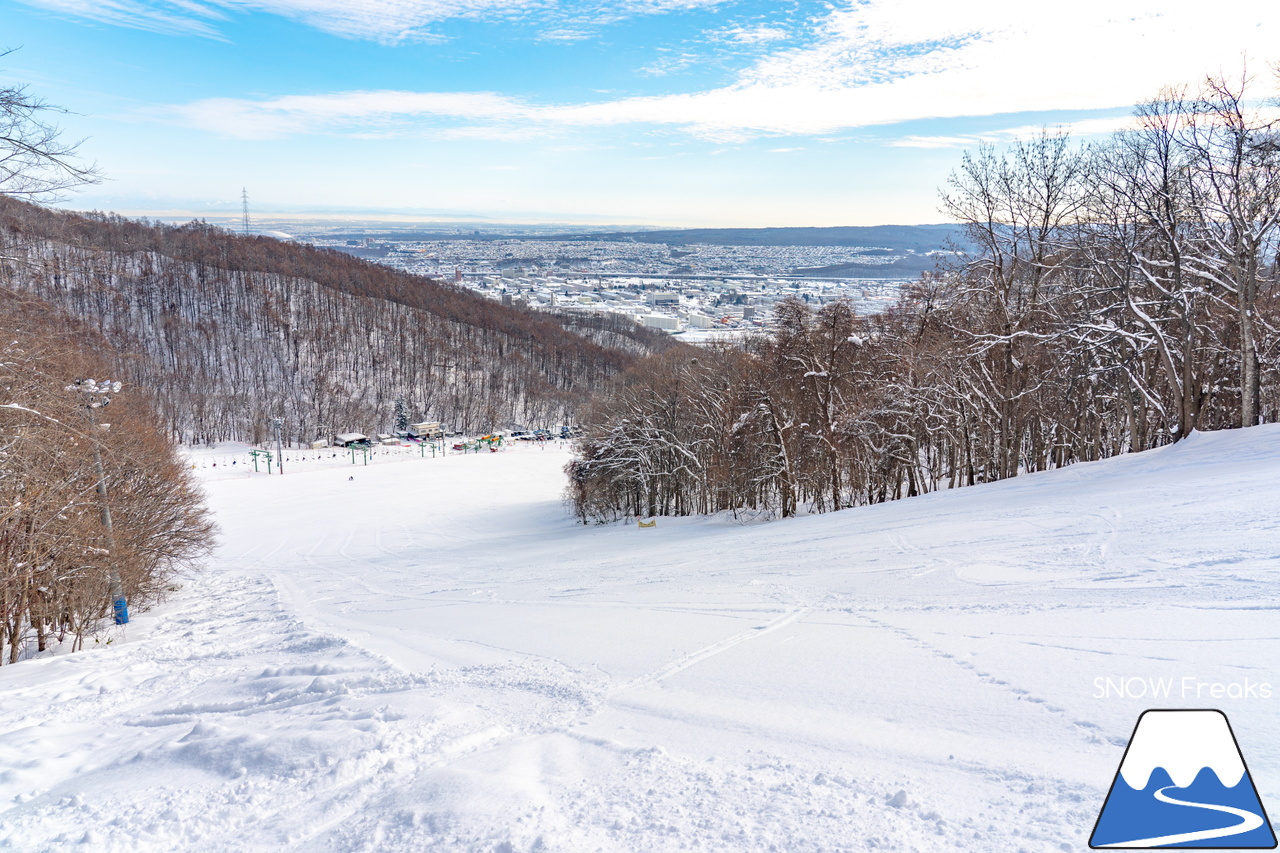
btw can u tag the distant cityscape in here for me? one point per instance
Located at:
(696, 291)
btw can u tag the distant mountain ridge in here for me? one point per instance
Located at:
(898, 238)
(919, 239)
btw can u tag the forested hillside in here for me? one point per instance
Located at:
(1118, 297)
(230, 330)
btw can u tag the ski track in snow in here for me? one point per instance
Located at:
(434, 657)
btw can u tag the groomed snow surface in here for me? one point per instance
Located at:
(434, 656)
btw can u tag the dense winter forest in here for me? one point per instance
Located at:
(228, 331)
(1120, 296)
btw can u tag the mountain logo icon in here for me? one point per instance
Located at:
(1183, 783)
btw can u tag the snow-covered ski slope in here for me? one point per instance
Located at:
(434, 656)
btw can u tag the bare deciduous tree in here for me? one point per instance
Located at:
(35, 161)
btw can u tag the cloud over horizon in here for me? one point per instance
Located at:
(872, 63)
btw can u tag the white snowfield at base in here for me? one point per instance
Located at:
(1183, 743)
(431, 655)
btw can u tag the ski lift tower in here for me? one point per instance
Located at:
(277, 424)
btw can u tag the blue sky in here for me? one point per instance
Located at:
(668, 112)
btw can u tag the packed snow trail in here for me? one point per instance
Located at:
(434, 656)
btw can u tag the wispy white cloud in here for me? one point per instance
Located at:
(870, 63)
(387, 21)
(174, 18)
(496, 132)
(935, 141)
(669, 63)
(654, 7)
(579, 20)
(566, 34)
(760, 34)
(1081, 128)
(349, 112)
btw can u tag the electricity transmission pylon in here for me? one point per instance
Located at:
(244, 206)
